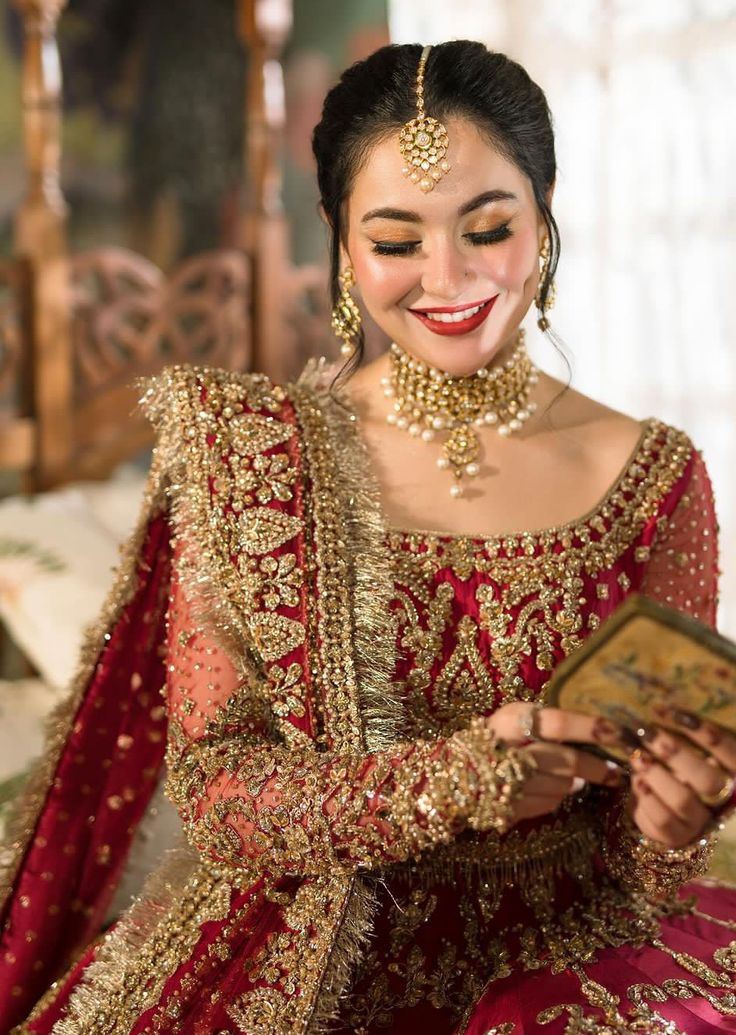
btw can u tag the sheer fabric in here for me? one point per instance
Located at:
(246, 799)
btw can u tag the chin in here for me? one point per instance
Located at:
(456, 357)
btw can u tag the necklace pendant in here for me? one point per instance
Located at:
(462, 447)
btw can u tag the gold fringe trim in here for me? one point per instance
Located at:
(566, 845)
(154, 936)
(350, 938)
(27, 808)
(363, 539)
(331, 443)
(170, 401)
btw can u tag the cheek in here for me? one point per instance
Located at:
(512, 264)
(383, 282)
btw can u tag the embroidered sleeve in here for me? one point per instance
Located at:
(682, 572)
(248, 800)
(645, 865)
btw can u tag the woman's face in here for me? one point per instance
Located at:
(472, 241)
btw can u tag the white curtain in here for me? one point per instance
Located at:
(643, 93)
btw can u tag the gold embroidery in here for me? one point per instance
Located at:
(639, 863)
(252, 433)
(264, 529)
(137, 956)
(275, 635)
(349, 661)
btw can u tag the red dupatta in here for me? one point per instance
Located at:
(197, 923)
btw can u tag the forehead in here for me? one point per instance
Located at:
(476, 166)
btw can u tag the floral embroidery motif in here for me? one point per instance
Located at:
(477, 622)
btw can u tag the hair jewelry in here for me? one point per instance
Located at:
(423, 141)
(428, 402)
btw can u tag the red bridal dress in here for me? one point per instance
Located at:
(347, 864)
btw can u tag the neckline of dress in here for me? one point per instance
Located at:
(552, 531)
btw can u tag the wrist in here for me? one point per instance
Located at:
(494, 776)
(633, 858)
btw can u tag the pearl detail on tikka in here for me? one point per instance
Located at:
(428, 402)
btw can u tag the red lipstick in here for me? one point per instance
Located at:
(455, 327)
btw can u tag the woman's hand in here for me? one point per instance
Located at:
(680, 778)
(561, 769)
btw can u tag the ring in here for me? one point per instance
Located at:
(528, 722)
(714, 801)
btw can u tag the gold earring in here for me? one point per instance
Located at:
(346, 315)
(544, 255)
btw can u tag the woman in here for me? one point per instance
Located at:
(386, 827)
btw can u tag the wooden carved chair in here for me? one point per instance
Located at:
(76, 330)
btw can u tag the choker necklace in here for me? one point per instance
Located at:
(429, 402)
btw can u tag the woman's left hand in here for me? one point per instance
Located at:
(680, 780)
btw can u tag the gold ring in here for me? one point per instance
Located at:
(714, 801)
(528, 722)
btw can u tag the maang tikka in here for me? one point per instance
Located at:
(423, 141)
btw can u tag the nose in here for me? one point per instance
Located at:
(445, 271)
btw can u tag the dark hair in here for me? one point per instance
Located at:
(375, 97)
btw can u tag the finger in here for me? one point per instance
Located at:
(572, 762)
(679, 798)
(547, 785)
(713, 738)
(686, 762)
(558, 724)
(655, 819)
(516, 720)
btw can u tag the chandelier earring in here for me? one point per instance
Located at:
(544, 306)
(346, 315)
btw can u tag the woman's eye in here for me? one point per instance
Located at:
(402, 248)
(500, 233)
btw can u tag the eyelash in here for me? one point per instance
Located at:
(501, 233)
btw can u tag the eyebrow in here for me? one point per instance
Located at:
(406, 216)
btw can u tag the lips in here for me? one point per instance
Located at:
(450, 320)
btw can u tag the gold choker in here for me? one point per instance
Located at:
(428, 402)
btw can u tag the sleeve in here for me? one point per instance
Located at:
(248, 800)
(681, 572)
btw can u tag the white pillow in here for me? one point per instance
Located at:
(24, 704)
(57, 554)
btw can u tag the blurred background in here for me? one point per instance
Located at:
(158, 203)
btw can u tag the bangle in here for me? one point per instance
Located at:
(634, 858)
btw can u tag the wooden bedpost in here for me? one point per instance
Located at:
(40, 239)
(264, 27)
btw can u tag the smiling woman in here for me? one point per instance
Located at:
(387, 828)
(457, 254)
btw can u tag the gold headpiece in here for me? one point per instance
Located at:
(423, 141)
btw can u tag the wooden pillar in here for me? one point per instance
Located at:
(264, 27)
(40, 239)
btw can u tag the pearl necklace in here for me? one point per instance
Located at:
(428, 401)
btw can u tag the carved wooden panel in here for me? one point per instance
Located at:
(129, 319)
